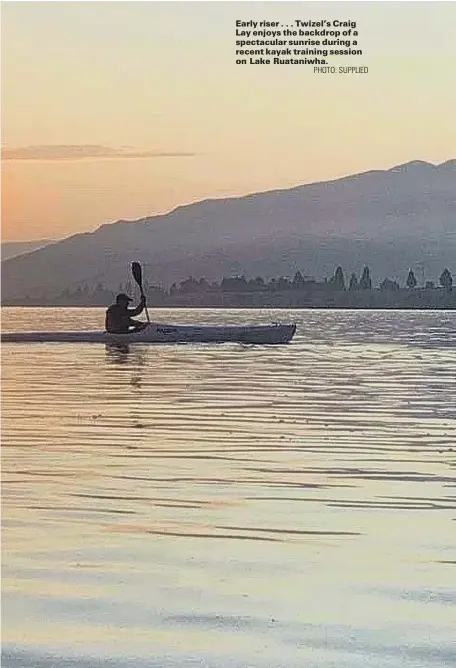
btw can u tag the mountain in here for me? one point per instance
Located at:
(14, 248)
(389, 219)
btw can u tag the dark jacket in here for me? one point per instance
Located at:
(119, 318)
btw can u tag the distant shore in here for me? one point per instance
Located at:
(418, 298)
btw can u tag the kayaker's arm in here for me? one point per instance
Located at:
(139, 309)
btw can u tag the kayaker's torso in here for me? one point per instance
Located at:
(118, 318)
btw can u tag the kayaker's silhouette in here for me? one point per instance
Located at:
(119, 318)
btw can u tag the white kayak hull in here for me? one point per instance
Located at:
(163, 333)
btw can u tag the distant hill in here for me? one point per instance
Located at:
(389, 219)
(14, 248)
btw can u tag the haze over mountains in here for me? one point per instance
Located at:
(14, 248)
(389, 219)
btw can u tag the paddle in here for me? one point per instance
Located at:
(136, 270)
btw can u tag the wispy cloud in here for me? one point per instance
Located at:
(84, 152)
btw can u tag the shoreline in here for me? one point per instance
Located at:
(421, 299)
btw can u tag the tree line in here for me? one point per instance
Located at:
(301, 282)
(239, 284)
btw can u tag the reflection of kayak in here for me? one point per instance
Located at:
(163, 333)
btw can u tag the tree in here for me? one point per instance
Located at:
(189, 285)
(353, 282)
(411, 280)
(298, 281)
(365, 282)
(338, 280)
(389, 285)
(234, 284)
(283, 283)
(446, 280)
(257, 284)
(259, 281)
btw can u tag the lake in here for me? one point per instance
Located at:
(231, 506)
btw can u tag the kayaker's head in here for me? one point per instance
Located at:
(123, 299)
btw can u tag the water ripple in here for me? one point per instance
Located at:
(213, 489)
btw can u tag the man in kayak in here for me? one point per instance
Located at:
(119, 318)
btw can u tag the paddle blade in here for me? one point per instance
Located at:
(137, 273)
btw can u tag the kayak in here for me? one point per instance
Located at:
(163, 333)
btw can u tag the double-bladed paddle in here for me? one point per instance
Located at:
(136, 270)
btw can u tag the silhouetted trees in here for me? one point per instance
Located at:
(100, 294)
(258, 283)
(234, 284)
(189, 285)
(338, 281)
(365, 282)
(298, 281)
(283, 283)
(390, 285)
(411, 280)
(353, 282)
(446, 280)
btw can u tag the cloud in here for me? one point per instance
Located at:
(83, 152)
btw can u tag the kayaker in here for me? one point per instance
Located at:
(119, 318)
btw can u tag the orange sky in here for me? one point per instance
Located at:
(120, 110)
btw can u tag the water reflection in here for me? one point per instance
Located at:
(121, 353)
(128, 358)
(204, 482)
(117, 353)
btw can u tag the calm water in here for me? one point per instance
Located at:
(232, 506)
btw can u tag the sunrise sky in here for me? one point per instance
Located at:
(125, 109)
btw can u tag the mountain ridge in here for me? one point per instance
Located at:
(410, 206)
(10, 249)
